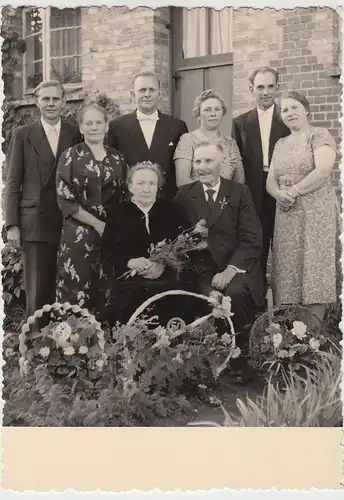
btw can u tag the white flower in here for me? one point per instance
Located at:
(283, 354)
(83, 349)
(179, 359)
(74, 337)
(266, 339)
(273, 328)
(226, 338)
(8, 352)
(299, 329)
(44, 352)
(62, 331)
(202, 386)
(277, 339)
(69, 350)
(100, 363)
(315, 344)
(235, 353)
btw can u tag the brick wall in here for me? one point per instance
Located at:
(117, 44)
(303, 45)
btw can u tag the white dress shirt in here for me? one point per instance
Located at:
(53, 133)
(147, 124)
(265, 122)
(216, 189)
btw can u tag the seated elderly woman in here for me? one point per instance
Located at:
(131, 228)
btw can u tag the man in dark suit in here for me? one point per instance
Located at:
(231, 261)
(147, 134)
(32, 217)
(256, 133)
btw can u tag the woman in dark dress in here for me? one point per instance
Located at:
(90, 178)
(130, 230)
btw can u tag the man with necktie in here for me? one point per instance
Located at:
(256, 133)
(32, 217)
(231, 261)
(146, 134)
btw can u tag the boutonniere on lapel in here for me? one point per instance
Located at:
(223, 202)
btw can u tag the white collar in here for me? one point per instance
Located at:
(143, 116)
(266, 112)
(47, 126)
(214, 188)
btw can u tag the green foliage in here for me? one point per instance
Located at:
(310, 400)
(12, 286)
(145, 377)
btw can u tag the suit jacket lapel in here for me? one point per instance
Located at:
(199, 202)
(217, 209)
(134, 129)
(42, 147)
(161, 129)
(254, 134)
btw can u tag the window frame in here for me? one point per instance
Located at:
(46, 42)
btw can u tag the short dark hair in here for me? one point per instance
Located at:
(49, 83)
(297, 96)
(146, 73)
(146, 165)
(86, 107)
(263, 69)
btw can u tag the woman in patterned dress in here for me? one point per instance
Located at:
(305, 260)
(90, 179)
(209, 110)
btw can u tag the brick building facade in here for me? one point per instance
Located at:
(303, 44)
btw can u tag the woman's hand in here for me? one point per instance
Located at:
(284, 200)
(154, 271)
(139, 264)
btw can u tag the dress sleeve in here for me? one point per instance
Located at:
(322, 137)
(65, 185)
(184, 149)
(235, 161)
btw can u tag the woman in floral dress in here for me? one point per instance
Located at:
(90, 179)
(209, 110)
(306, 247)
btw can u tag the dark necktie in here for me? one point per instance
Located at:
(210, 193)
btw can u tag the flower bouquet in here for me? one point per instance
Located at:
(70, 348)
(287, 337)
(175, 253)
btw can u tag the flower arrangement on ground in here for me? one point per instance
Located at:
(279, 340)
(75, 373)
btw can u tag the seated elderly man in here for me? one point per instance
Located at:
(231, 263)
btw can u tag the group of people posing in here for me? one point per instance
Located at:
(85, 203)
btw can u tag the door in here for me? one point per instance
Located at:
(201, 59)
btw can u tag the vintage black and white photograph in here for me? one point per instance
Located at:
(171, 217)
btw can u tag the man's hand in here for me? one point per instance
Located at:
(153, 272)
(13, 236)
(139, 265)
(221, 280)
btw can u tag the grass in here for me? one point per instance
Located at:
(311, 400)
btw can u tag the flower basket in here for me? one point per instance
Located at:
(73, 348)
(285, 337)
